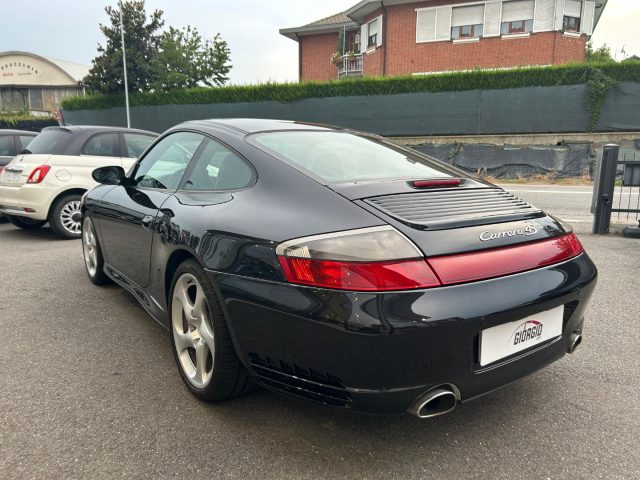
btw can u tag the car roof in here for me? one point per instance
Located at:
(17, 132)
(96, 129)
(253, 125)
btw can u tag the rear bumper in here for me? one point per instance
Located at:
(14, 201)
(377, 353)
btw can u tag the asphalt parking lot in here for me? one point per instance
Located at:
(89, 389)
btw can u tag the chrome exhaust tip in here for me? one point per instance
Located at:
(435, 402)
(574, 340)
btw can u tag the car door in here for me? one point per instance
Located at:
(127, 212)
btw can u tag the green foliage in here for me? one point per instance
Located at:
(141, 46)
(186, 60)
(599, 84)
(24, 121)
(595, 76)
(600, 55)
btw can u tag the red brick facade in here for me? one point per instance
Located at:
(400, 54)
(315, 57)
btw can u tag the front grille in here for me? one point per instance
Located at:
(300, 382)
(455, 207)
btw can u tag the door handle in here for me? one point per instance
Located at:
(147, 222)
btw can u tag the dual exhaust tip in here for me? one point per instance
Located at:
(443, 399)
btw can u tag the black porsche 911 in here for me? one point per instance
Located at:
(334, 266)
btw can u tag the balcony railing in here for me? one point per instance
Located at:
(350, 66)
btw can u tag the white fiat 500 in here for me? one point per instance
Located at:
(46, 181)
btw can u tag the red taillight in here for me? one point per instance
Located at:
(375, 276)
(469, 267)
(38, 174)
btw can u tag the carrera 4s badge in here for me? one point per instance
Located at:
(527, 231)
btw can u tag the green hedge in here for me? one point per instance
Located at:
(446, 82)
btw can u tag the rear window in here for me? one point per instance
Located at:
(338, 157)
(49, 142)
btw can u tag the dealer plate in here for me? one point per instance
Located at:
(509, 338)
(11, 176)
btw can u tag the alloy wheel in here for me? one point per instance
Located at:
(70, 217)
(192, 330)
(89, 246)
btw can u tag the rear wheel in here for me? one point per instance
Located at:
(65, 217)
(93, 260)
(25, 223)
(200, 338)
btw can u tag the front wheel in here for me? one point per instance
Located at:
(25, 223)
(200, 338)
(65, 217)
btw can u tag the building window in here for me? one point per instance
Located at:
(372, 28)
(571, 24)
(519, 26)
(467, 22)
(467, 31)
(572, 16)
(517, 17)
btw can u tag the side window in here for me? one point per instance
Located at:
(7, 147)
(164, 165)
(219, 168)
(137, 143)
(26, 140)
(102, 145)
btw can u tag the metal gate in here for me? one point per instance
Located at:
(617, 190)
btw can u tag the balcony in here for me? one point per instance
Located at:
(350, 66)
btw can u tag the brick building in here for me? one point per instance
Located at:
(400, 37)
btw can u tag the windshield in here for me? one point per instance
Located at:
(338, 157)
(49, 142)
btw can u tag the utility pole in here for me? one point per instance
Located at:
(124, 64)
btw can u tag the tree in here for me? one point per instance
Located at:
(600, 55)
(141, 41)
(187, 60)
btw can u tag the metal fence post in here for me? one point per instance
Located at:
(605, 189)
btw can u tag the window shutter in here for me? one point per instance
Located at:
(443, 23)
(364, 38)
(472, 15)
(573, 8)
(492, 19)
(380, 30)
(426, 25)
(373, 27)
(559, 22)
(545, 12)
(517, 10)
(588, 17)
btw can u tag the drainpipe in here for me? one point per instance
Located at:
(384, 39)
(299, 57)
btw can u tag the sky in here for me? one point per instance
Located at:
(68, 29)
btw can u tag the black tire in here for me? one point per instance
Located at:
(59, 219)
(25, 223)
(228, 378)
(92, 253)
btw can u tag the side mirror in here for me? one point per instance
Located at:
(112, 175)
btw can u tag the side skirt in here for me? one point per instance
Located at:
(151, 306)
